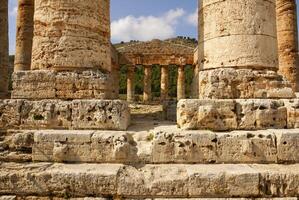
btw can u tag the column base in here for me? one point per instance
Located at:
(230, 83)
(45, 84)
(59, 114)
(238, 114)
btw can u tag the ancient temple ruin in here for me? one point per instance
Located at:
(65, 134)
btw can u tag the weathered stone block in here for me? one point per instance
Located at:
(62, 146)
(230, 83)
(189, 147)
(260, 114)
(46, 114)
(113, 147)
(47, 84)
(287, 146)
(216, 115)
(105, 114)
(292, 106)
(10, 113)
(239, 114)
(246, 147)
(45, 179)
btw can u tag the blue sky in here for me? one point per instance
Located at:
(140, 19)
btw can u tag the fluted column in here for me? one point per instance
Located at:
(164, 82)
(4, 48)
(24, 35)
(147, 84)
(287, 40)
(181, 91)
(130, 83)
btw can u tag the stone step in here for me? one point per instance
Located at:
(62, 114)
(162, 144)
(14, 197)
(149, 181)
(237, 114)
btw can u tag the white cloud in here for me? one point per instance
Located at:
(13, 12)
(146, 27)
(193, 18)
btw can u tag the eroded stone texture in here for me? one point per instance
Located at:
(149, 180)
(24, 35)
(164, 146)
(287, 40)
(58, 114)
(242, 84)
(71, 35)
(221, 115)
(105, 114)
(287, 146)
(10, 113)
(3, 48)
(216, 115)
(46, 84)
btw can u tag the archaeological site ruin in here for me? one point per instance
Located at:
(65, 132)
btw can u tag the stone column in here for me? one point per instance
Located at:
(287, 40)
(181, 92)
(4, 63)
(147, 84)
(164, 82)
(195, 88)
(71, 35)
(131, 84)
(24, 35)
(238, 52)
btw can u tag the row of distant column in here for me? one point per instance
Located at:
(147, 83)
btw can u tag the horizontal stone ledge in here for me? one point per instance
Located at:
(162, 144)
(60, 114)
(149, 181)
(238, 114)
(102, 198)
(49, 84)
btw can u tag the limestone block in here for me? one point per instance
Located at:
(287, 146)
(105, 114)
(278, 181)
(113, 147)
(260, 114)
(33, 85)
(10, 115)
(206, 114)
(82, 85)
(191, 147)
(190, 180)
(46, 114)
(246, 147)
(292, 106)
(46, 84)
(58, 179)
(62, 146)
(232, 83)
